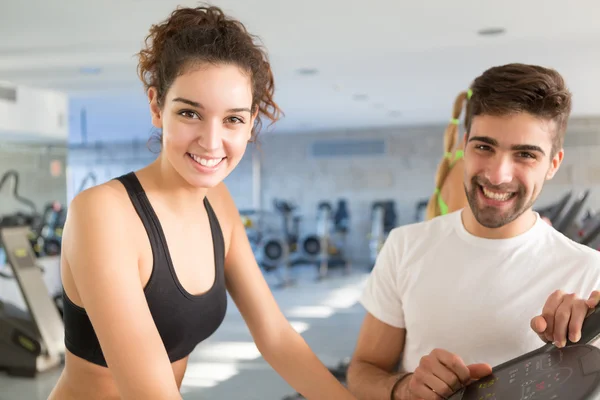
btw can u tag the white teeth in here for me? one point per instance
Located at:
(496, 196)
(205, 162)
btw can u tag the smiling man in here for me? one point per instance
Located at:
(453, 296)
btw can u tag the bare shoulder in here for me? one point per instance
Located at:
(220, 199)
(95, 213)
(225, 208)
(108, 194)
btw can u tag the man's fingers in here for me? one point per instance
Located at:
(418, 389)
(478, 371)
(562, 317)
(594, 299)
(549, 311)
(438, 386)
(578, 314)
(450, 379)
(455, 364)
(539, 325)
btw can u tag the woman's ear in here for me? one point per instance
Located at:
(155, 110)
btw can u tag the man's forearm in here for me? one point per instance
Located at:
(367, 381)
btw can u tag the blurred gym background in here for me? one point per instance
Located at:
(367, 91)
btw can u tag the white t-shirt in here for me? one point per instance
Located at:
(472, 296)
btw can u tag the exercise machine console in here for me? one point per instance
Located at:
(32, 340)
(548, 373)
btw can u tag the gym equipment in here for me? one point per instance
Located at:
(377, 236)
(301, 250)
(383, 220)
(274, 256)
(291, 223)
(331, 238)
(46, 228)
(553, 211)
(324, 248)
(45, 232)
(589, 236)
(22, 200)
(341, 218)
(46, 235)
(18, 218)
(567, 225)
(269, 245)
(33, 341)
(253, 223)
(548, 373)
(421, 210)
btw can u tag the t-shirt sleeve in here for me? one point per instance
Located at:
(381, 297)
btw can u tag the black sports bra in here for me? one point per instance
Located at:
(183, 320)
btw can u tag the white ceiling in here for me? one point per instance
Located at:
(408, 58)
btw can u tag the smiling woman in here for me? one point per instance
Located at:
(148, 258)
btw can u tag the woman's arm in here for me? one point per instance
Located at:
(103, 260)
(281, 346)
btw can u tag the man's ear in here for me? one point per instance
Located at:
(555, 164)
(155, 110)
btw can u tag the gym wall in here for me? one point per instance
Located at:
(404, 172)
(37, 183)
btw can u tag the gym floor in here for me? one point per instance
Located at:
(228, 365)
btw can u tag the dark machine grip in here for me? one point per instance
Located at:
(591, 327)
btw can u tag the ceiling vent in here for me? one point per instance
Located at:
(8, 94)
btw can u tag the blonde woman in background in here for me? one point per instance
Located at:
(449, 194)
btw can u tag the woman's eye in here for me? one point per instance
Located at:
(188, 114)
(235, 120)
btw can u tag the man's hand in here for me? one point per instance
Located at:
(439, 375)
(563, 315)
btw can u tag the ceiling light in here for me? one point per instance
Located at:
(491, 31)
(360, 97)
(307, 71)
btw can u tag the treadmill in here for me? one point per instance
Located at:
(32, 340)
(554, 211)
(567, 224)
(548, 373)
(592, 233)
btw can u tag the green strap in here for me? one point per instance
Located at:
(441, 203)
(457, 156)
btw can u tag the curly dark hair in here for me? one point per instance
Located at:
(193, 36)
